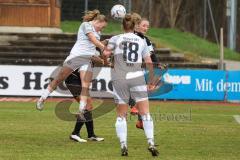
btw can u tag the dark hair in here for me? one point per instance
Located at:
(128, 22)
(94, 15)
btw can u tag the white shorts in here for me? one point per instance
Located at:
(81, 63)
(86, 67)
(124, 89)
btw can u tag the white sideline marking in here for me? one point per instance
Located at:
(237, 118)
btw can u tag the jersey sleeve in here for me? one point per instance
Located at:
(146, 51)
(87, 28)
(112, 42)
(149, 44)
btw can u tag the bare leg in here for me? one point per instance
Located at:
(86, 78)
(122, 110)
(143, 107)
(62, 75)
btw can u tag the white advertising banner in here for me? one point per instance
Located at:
(178, 84)
(32, 80)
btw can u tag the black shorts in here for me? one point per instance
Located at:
(73, 83)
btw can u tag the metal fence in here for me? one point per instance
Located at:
(74, 9)
(201, 17)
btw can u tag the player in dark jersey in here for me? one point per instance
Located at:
(73, 83)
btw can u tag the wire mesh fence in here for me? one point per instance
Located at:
(74, 9)
(204, 18)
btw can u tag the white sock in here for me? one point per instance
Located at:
(148, 128)
(45, 94)
(121, 130)
(82, 106)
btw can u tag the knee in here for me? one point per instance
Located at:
(89, 107)
(59, 79)
(122, 115)
(85, 84)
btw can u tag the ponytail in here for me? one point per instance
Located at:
(128, 22)
(94, 15)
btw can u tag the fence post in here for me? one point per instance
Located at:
(86, 5)
(221, 62)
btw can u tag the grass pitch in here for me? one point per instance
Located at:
(183, 132)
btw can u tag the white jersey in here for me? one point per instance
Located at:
(129, 51)
(83, 46)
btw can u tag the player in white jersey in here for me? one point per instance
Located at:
(128, 80)
(80, 57)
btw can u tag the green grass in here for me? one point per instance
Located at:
(73, 26)
(211, 134)
(183, 42)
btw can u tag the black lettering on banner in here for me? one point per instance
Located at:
(95, 84)
(110, 85)
(48, 80)
(36, 80)
(3, 82)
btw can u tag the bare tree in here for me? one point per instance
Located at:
(171, 9)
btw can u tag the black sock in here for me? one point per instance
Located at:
(89, 124)
(131, 102)
(139, 117)
(78, 127)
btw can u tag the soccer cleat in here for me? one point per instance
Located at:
(124, 151)
(134, 111)
(77, 138)
(96, 138)
(40, 104)
(153, 150)
(139, 124)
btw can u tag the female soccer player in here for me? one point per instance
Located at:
(128, 80)
(73, 83)
(80, 57)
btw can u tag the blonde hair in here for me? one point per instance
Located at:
(128, 22)
(137, 18)
(144, 19)
(94, 15)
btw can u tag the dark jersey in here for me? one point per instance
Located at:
(150, 46)
(73, 83)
